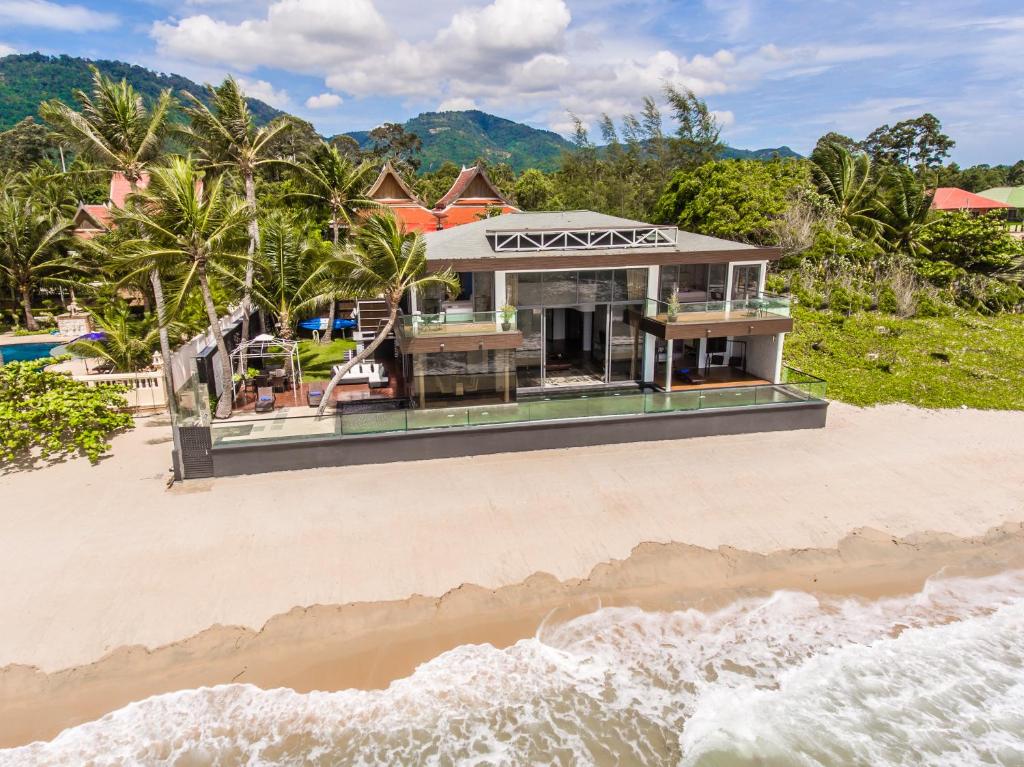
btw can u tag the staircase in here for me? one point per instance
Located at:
(372, 316)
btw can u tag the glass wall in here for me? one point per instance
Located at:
(626, 362)
(529, 355)
(693, 282)
(575, 288)
(477, 377)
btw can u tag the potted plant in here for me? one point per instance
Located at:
(508, 313)
(672, 309)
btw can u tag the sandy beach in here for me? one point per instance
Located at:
(118, 588)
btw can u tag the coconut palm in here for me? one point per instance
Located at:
(846, 179)
(34, 251)
(116, 130)
(382, 259)
(196, 227)
(904, 210)
(227, 139)
(128, 344)
(293, 271)
(330, 179)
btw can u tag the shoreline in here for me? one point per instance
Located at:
(367, 645)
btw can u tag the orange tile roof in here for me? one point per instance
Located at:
(120, 188)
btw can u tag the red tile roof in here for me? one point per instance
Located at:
(391, 191)
(462, 183)
(91, 220)
(952, 198)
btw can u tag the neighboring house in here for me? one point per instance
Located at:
(93, 220)
(472, 197)
(951, 198)
(595, 302)
(1013, 196)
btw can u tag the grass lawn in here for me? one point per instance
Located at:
(941, 362)
(317, 359)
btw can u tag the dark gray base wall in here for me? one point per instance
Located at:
(483, 440)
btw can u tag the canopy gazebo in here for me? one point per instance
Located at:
(268, 347)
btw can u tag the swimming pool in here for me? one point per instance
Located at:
(22, 352)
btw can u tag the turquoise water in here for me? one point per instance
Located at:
(24, 352)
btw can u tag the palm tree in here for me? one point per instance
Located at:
(127, 344)
(847, 180)
(904, 209)
(383, 259)
(332, 180)
(226, 138)
(195, 226)
(34, 250)
(116, 130)
(294, 270)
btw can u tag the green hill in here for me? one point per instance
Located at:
(28, 79)
(462, 137)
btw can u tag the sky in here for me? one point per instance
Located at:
(775, 73)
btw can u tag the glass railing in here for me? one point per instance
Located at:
(794, 387)
(454, 323)
(764, 307)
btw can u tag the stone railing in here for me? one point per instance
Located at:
(146, 391)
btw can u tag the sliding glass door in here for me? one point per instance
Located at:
(746, 282)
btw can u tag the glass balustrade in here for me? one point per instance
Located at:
(764, 307)
(795, 387)
(453, 323)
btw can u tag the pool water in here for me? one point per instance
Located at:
(24, 352)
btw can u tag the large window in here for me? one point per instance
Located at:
(450, 378)
(572, 288)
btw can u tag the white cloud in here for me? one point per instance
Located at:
(324, 101)
(42, 13)
(457, 104)
(724, 117)
(265, 92)
(6, 50)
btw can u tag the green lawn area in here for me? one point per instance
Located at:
(317, 359)
(941, 362)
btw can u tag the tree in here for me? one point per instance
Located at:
(116, 130)
(55, 414)
(383, 259)
(128, 344)
(196, 225)
(846, 179)
(25, 145)
(737, 199)
(850, 145)
(226, 138)
(919, 142)
(904, 209)
(431, 187)
(333, 181)
(392, 142)
(696, 140)
(534, 191)
(974, 243)
(34, 250)
(294, 272)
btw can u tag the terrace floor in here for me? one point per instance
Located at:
(716, 378)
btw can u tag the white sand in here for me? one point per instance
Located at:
(93, 558)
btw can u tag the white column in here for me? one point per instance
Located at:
(668, 364)
(499, 290)
(653, 275)
(779, 340)
(414, 300)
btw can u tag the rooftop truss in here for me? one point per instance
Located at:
(582, 239)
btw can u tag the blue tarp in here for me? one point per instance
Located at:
(320, 323)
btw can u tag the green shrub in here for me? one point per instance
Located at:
(929, 305)
(840, 299)
(887, 301)
(775, 283)
(55, 414)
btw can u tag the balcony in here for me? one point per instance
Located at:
(765, 315)
(457, 332)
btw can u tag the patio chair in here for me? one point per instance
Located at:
(265, 399)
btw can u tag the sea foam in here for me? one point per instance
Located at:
(936, 678)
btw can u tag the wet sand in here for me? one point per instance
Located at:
(108, 573)
(368, 645)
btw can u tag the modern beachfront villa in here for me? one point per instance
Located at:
(570, 328)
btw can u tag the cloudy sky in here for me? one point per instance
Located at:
(779, 72)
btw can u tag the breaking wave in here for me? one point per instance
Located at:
(936, 678)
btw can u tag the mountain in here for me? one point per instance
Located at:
(730, 153)
(462, 137)
(28, 79)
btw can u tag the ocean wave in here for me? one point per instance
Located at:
(934, 678)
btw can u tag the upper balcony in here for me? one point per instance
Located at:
(762, 316)
(458, 331)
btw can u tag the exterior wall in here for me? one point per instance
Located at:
(764, 356)
(448, 443)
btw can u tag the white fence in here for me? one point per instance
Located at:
(146, 391)
(183, 360)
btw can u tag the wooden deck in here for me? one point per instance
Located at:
(245, 403)
(718, 378)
